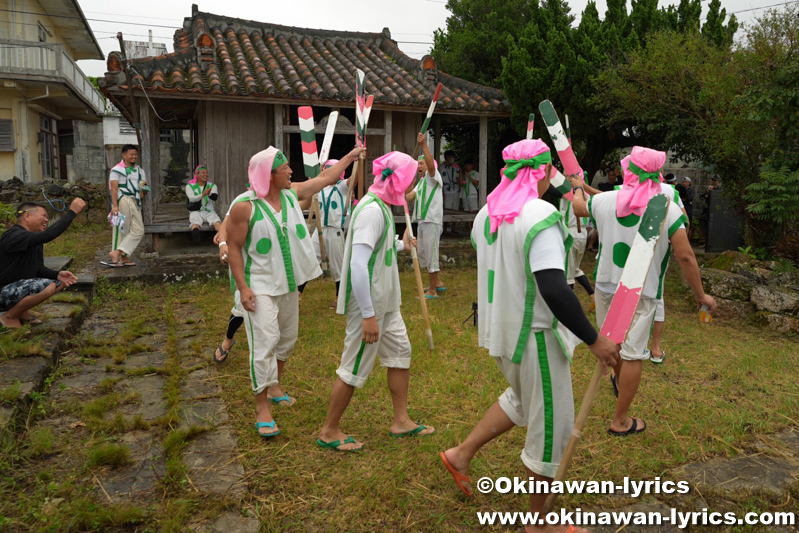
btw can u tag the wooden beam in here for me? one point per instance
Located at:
(340, 130)
(483, 160)
(388, 136)
(150, 161)
(279, 126)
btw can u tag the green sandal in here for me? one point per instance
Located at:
(412, 433)
(270, 425)
(334, 445)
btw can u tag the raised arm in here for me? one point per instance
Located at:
(580, 203)
(429, 160)
(328, 176)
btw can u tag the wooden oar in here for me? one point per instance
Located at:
(419, 289)
(620, 316)
(310, 159)
(426, 123)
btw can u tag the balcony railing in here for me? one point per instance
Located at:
(49, 60)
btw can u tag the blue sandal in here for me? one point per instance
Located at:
(270, 425)
(279, 399)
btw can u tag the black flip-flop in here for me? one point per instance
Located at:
(633, 429)
(223, 353)
(615, 387)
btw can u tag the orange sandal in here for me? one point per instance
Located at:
(457, 476)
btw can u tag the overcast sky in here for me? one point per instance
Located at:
(411, 22)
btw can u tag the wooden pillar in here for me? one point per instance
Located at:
(150, 159)
(278, 127)
(483, 160)
(437, 139)
(387, 138)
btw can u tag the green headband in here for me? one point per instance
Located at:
(643, 175)
(279, 160)
(513, 166)
(420, 158)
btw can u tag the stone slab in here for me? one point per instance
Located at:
(211, 462)
(139, 478)
(775, 299)
(199, 384)
(151, 391)
(29, 371)
(210, 411)
(57, 263)
(144, 360)
(750, 473)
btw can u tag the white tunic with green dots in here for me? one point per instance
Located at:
(331, 204)
(509, 302)
(278, 255)
(383, 273)
(616, 235)
(429, 203)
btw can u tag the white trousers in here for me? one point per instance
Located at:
(271, 334)
(427, 239)
(540, 397)
(334, 249)
(576, 253)
(393, 348)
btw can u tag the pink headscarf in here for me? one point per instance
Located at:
(260, 170)
(332, 162)
(642, 177)
(193, 180)
(393, 173)
(525, 166)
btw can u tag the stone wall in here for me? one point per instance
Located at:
(88, 156)
(753, 290)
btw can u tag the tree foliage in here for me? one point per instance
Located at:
(533, 51)
(734, 109)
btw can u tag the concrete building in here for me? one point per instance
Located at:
(42, 89)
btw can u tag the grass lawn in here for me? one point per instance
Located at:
(721, 386)
(81, 239)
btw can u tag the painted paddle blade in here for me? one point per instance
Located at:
(367, 111)
(530, 124)
(625, 301)
(559, 181)
(559, 138)
(324, 153)
(310, 158)
(430, 110)
(360, 104)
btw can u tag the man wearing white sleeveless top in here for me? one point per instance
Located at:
(428, 210)
(270, 254)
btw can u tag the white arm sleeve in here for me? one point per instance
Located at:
(191, 196)
(359, 270)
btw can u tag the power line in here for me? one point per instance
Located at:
(763, 7)
(93, 20)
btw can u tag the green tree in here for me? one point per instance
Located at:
(737, 110)
(533, 51)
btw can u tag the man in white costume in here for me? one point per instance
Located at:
(370, 297)
(270, 254)
(529, 320)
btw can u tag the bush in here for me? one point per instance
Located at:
(774, 199)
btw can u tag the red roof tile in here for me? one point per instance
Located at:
(222, 55)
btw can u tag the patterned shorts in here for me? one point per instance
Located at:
(12, 293)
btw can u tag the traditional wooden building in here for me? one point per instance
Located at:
(237, 85)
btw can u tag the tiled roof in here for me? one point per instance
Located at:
(228, 56)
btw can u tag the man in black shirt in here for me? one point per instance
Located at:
(24, 280)
(613, 174)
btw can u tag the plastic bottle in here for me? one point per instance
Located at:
(704, 314)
